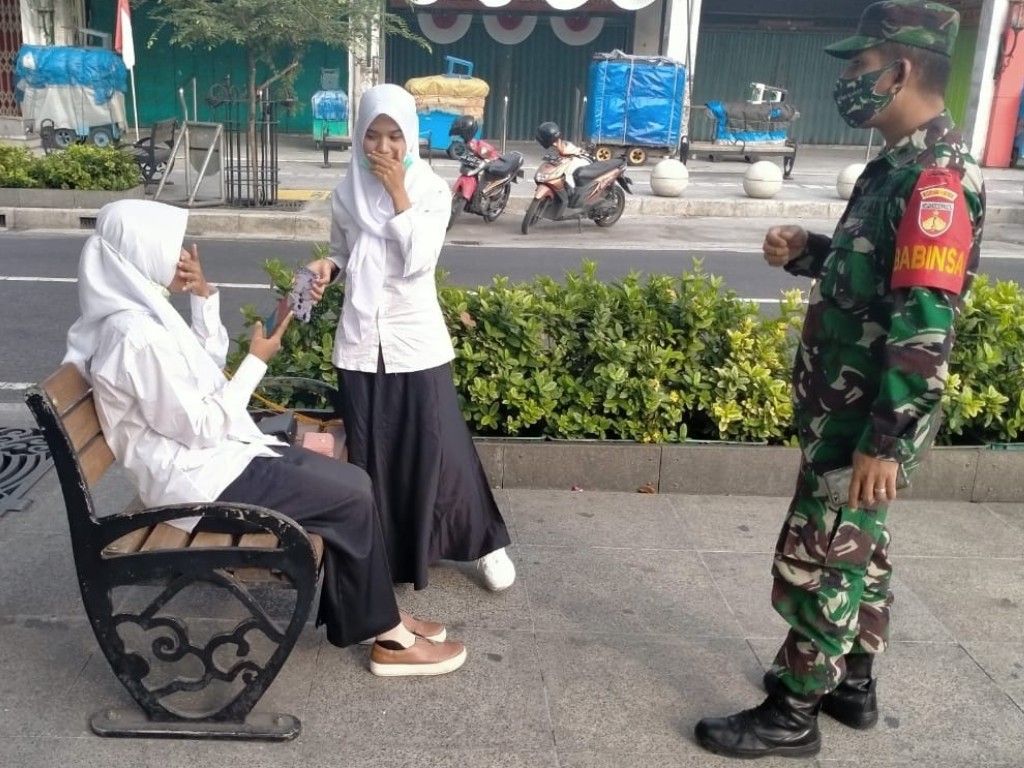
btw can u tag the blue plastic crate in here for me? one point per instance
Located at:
(452, 63)
(437, 124)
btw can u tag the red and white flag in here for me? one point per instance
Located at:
(124, 43)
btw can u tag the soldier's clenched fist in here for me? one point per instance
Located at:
(782, 244)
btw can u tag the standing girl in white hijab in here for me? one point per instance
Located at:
(392, 350)
(183, 432)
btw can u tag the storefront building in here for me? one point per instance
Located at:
(536, 53)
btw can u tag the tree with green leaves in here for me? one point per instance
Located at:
(271, 29)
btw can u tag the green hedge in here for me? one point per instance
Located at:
(660, 358)
(80, 166)
(984, 399)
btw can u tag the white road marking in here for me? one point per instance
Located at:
(16, 386)
(32, 279)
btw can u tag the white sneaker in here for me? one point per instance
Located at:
(497, 570)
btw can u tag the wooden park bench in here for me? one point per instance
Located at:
(193, 682)
(152, 153)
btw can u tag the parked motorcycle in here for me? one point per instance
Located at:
(485, 176)
(598, 191)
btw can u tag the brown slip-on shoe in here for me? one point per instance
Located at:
(421, 658)
(429, 630)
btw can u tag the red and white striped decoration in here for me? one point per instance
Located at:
(577, 30)
(566, 5)
(444, 28)
(510, 29)
(558, 5)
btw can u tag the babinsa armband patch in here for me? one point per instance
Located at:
(934, 239)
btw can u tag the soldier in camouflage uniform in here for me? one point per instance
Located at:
(868, 376)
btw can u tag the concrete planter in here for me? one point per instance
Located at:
(65, 198)
(969, 473)
(711, 470)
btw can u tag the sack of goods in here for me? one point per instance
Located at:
(740, 122)
(454, 95)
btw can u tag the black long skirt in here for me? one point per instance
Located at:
(334, 500)
(433, 497)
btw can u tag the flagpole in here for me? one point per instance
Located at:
(135, 105)
(124, 43)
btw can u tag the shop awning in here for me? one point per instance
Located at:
(510, 22)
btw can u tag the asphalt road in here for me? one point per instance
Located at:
(38, 299)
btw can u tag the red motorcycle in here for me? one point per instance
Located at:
(485, 176)
(598, 191)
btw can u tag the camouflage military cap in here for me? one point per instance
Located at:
(920, 23)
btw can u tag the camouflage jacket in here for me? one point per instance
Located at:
(872, 362)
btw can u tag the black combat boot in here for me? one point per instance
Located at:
(784, 724)
(855, 702)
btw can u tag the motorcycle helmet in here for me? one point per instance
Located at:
(464, 127)
(547, 134)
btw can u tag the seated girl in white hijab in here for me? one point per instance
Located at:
(402, 418)
(182, 431)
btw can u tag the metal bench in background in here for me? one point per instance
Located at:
(153, 152)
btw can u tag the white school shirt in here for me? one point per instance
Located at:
(410, 331)
(180, 442)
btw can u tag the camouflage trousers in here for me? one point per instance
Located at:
(831, 584)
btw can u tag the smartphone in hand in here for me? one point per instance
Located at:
(300, 298)
(271, 321)
(837, 484)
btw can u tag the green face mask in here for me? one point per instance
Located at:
(364, 161)
(160, 289)
(856, 99)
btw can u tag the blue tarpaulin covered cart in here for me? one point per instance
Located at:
(69, 94)
(635, 104)
(749, 130)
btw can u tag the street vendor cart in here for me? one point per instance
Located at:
(70, 95)
(330, 110)
(750, 130)
(440, 99)
(635, 105)
(329, 106)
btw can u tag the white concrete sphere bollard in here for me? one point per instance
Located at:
(847, 178)
(763, 179)
(670, 178)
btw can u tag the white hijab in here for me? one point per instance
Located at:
(365, 199)
(125, 266)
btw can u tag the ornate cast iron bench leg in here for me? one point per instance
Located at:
(225, 657)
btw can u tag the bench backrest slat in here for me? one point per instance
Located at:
(163, 132)
(66, 387)
(82, 423)
(95, 459)
(64, 410)
(72, 397)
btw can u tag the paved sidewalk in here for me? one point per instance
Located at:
(633, 616)
(715, 192)
(715, 188)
